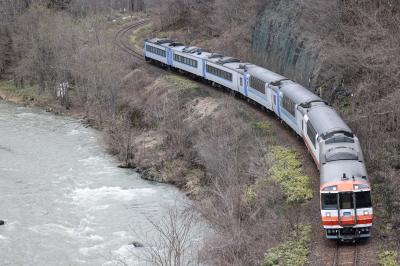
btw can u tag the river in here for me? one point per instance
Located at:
(63, 198)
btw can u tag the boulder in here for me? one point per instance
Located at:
(137, 244)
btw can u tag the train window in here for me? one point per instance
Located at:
(346, 200)
(329, 201)
(155, 50)
(312, 134)
(339, 139)
(241, 81)
(289, 105)
(341, 156)
(219, 72)
(257, 84)
(185, 60)
(363, 200)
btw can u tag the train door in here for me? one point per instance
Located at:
(276, 102)
(240, 86)
(204, 68)
(169, 57)
(246, 77)
(269, 93)
(299, 120)
(346, 209)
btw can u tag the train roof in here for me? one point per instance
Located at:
(334, 171)
(297, 93)
(192, 51)
(263, 74)
(326, 120)
(159, 41)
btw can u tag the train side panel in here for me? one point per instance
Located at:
(259, 96)
(156, 52)
(187, 62)
(221, 75)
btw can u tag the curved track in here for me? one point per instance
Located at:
(345, 254)
(121, 39)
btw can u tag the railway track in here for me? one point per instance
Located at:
(121, 39)
(346, 254)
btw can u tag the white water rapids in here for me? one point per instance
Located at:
(64, 200)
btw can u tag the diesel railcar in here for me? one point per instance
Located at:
(345, 192)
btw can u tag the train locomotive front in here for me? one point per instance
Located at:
(346, 206)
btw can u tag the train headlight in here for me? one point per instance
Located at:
(328, 214)
(360, 186)
(366, 212)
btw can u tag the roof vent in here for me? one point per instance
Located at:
(215, 56)
(176, 44)
(278, 82)
(162, 41)
(228, 60)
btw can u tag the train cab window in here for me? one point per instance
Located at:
(241, 81)
(339, 139)
(346, 200)
(329, 201)
(363, 200)
(341, 156)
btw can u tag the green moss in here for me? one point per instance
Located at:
(287, 171)
(262, 128)
(138, 36)
(387, 258)
(186, 87)
(293, 252)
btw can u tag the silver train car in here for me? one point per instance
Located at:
(345, 191)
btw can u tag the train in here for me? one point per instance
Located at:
(345, 191)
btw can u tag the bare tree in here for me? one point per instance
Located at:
(175, 242)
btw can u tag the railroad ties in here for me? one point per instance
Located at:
(345, 254)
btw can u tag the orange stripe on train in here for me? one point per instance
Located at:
(361, 219)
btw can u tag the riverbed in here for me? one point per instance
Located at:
(63, 198)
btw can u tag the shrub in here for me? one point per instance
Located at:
(186, 88)
(292, 252)
(262, 128)
(249, 197)
(388, 258)
(26, 94)
(287, 171)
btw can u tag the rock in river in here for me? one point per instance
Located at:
(137, 244)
